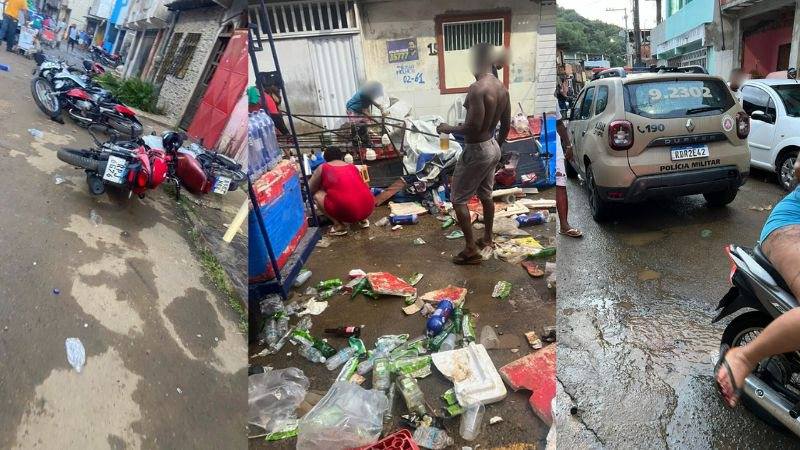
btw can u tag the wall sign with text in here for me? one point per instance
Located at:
(402, 50)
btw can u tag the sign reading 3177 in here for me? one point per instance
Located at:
(402, 50)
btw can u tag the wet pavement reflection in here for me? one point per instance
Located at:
(636, 343)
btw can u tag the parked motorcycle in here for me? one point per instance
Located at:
(197, 169)
(772, 391)
(129, 165)
(101, 56)
(57, 89)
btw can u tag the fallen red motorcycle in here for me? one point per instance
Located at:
(129, 165)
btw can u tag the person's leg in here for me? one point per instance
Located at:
(319, 200)
(467, 177)
(562, 200)
(465, 223)
(492, 154)
(782, 335)
(488, 221)
(3, 28)
(11, 35)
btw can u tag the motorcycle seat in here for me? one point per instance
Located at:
(764, 262)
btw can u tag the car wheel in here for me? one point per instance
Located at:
(570, 170)
(785, 170)
(721, 198)
(601, 209)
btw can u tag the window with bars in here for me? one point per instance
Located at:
(315, 17)
(456, 35)
(184, 55)
(166, 61)
(463, 35)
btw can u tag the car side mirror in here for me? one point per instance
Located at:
(762, 117)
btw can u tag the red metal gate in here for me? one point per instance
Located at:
(224, 90)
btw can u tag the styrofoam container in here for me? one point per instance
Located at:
(473, 374)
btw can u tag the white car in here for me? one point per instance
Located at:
(774, 140)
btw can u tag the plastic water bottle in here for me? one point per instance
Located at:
(381, 376)
(432, 438)
(340, 358)
(271, 332)
(439, 317)
(533, 219)
(415, 399)
(312, 354)
(408, 219)
(283, 324)
(471, 421)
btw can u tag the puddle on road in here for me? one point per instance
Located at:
(640, 239)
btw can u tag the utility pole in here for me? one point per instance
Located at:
(628, 59)
(658, 12)
(637, 35)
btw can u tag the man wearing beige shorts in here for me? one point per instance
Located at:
(487, 103)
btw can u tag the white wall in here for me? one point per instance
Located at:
(78, 11)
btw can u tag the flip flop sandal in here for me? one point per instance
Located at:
(333, 232)
(572, 232)
(462, 260)
(533, 269)
(737, 391)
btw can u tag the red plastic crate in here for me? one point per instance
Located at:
(400, 440)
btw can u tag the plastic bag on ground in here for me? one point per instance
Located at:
(348, 416)
(76, 354)
(273, 397)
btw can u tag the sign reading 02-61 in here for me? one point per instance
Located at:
(402, 50)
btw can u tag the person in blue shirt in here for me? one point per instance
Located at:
(359, 105)
(780, 242)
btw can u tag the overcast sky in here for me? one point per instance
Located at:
(596, 10)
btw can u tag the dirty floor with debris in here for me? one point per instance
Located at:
(531, 306)
(165, 357)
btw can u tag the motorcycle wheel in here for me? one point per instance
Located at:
(744, 329)
(43, 95)
(85, 159)
(126, 126)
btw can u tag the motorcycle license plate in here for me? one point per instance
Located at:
(115, 170)
(221, 185)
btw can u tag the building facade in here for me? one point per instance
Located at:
(692, 34)
(417, 49)
(766, 34)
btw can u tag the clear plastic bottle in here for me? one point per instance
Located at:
(415, 399)
(283, 323)
(383, 347)
(310, 353)
(449, 343)
(471, 421)
(340, 358)
(271, 332)
(432, 438)
(381, 375)
(387, 416)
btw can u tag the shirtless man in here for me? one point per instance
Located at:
(780, 242)
(487, 104)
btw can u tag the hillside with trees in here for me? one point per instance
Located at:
(575, 33)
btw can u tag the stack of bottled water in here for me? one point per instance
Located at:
(264, 151)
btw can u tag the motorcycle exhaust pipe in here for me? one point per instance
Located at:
(772, 402)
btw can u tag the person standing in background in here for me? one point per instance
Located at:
(8, 30)
(72, 38)
(562, 200)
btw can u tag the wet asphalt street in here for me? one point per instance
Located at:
(636, 343)
(165, 359)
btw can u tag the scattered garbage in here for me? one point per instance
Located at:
(517, 250)
(344, 331)
(495, 419)
(406, 219)
(536, 218)
(324, 242)
(415, 278)
(347, 416)
(76, 354)
(384, 283)
(761, 208)
(382, 222)
(302, 277)
(471, 421)
(439, 317)
(58, 179)
(399, 440)
(56, 291)
(397, 227)
(452, 293)
(705, 233)
(432, 438)
(448, 223)
(35, 133)
(356, 273)
(532, 269)
(95, 218)
(502, 290)
(473, 374)
(419, 241)
(489, 338)
(533, 339)
(549, 333)
(5, 68)
(273, 396)
(314, 307)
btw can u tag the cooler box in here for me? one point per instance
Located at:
(281, 206)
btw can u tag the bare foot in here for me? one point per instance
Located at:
(741, 368)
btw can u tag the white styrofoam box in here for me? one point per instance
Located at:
(473, 373)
